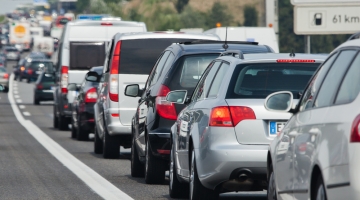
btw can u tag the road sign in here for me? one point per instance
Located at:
(312, 20)
(322, 2)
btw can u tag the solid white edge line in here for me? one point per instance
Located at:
(97, 183)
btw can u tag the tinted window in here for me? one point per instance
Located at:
(139, 56)
(158, 68)
(11, 49)
(63, 21)
(199, 90)
(192, 69)
(257, 81)
(332, 80)
(350, 86)
(48, 78)
(85, 55)
(216, 83)
(307, 99)
(42, 66)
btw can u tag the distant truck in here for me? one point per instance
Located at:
(262, 35)
(45, 45)
(20, 34)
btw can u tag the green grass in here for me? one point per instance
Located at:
(2, 18)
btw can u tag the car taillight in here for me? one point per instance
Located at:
(64, 79)
(114, 74)
(29, 71)
(355, 132)
(91, 96)
(230, 116)
(106, 24)
(302, 147)
(295, 60)
(165, 108)
(39, 86)
(6, 76)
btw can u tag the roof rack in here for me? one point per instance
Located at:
(354, 36)
(217, 42)
(233, 53)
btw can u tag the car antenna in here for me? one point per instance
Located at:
(225, 46)
(292, 54)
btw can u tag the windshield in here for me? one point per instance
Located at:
(2, 69)
(257, 81)
(42, 66)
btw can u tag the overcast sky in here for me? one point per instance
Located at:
(7, 6)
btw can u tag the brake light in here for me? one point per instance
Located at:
(64, 79)
(355, 130)
(302, 147)
(114, 71)
(6, 76)
(295, 60)
(91, 96)
(230, 116)
(29, 71)
(106, 24)
(115, 114)
(39, 86)
(164, 108)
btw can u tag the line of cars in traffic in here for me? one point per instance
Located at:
(212, 113)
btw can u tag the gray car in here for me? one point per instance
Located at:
(220, 140)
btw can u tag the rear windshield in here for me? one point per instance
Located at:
(11, 49)
(85, 55)
(2, 69)
(139, 56)
(63, 21)
(48, 78)
(42, 66)
(257, 81)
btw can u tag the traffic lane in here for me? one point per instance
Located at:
(117, 171)
(27, 170)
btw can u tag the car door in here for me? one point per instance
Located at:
(312, 133)
(190, 116)
(285, 169)
(145, 103)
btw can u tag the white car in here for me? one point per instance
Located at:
(321, 161)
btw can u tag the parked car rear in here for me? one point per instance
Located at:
(44, 87)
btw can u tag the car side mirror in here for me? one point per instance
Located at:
(177, 96)
(72, 87)
(92, 77)
(133, 90)
(279, 101)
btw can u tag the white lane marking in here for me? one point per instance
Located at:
(15, 92)
(18, 100)
(92, 179)
(26, 114)
(16, 96)
(21, 106)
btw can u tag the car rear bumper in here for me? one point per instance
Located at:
(220, 163)
(160, 144)
(44, 94)
(115, 127)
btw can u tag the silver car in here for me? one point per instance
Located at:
(220, 140)
(321, 161)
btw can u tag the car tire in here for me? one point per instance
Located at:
(111, 146)
(196, 190)
(55, 118)
(137, 168)
(28, 80)
(320, 193)
(176, 188)
(81, 134)
(36, 101)
(271, 190)
(73, 129)
(98, 144)
(6, 89)
(62, 123)
(154, 168)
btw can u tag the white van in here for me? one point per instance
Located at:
(262, 35)
(82, 46)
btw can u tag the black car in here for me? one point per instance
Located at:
(34, 67)
(179, 68)
(82, 121)
(19, 69)
(43, 90)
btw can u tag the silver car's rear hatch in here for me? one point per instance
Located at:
(261, 130)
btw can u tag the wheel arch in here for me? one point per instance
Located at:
(316, 172)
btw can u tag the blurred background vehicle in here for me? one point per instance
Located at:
(43, 90)
(4, 79)
(35, 67)
(82, 121)
(78, 52)
(12, 53)
(19, 69)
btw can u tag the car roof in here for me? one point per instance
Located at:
(273, 57)
(217, 48)
(39, 60)
(349, 43)
(164, 34)
(99, 22)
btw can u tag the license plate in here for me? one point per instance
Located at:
(275, 127)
